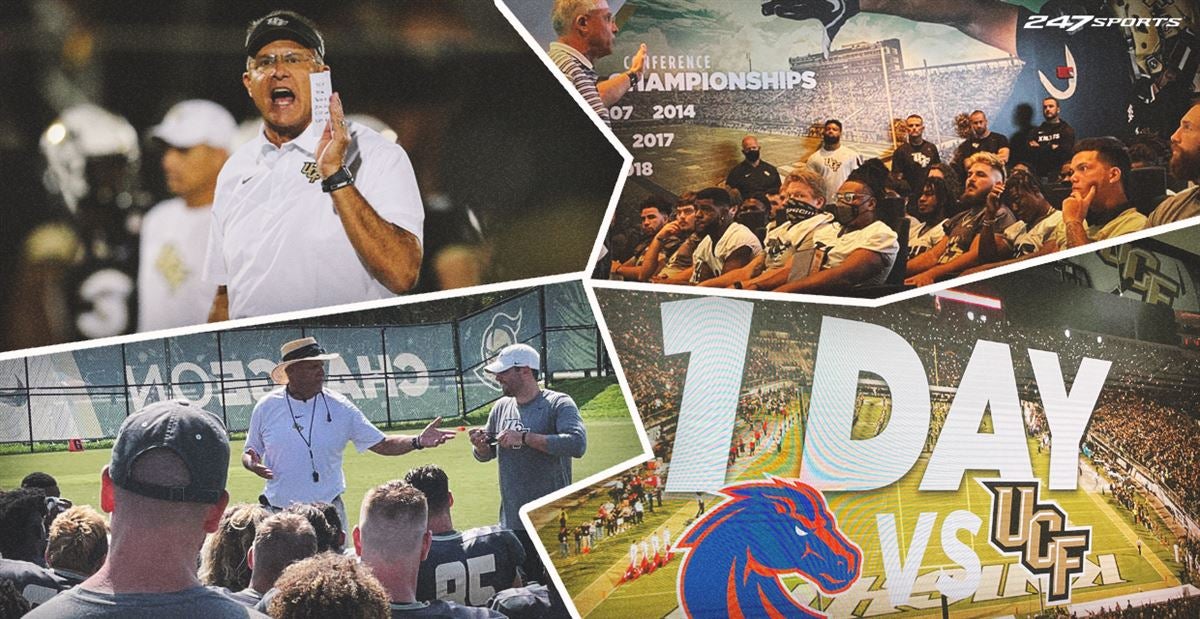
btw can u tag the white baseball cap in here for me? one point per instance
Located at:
(196, 121)
(515, 356)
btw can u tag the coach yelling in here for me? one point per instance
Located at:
(298, 432)
(308, 213)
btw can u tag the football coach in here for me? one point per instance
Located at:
(308, 213)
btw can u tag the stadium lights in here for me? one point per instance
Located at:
(969, 298)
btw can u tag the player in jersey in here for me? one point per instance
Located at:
(804, 190)
(467, 567)
(76, 274)
(392, 538)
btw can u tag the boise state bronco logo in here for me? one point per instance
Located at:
(738, 551)
(501, 332)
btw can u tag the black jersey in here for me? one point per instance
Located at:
(100, 286)
(912, 163)
(441, 610)
(470, 567)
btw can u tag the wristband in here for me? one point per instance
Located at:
(416, 443)
(737, 285)
(523, 435)
(337, 180)
(633, 78)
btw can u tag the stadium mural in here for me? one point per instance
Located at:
(994, 449)
(718, 70)
(397, 372)
(830, 124)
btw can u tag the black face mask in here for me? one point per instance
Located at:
(798, 210)
(845, 213)
(751, 155)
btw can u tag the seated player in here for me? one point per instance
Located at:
(279, 541)
(77, 547)
(859, 250)
(927, 223)
(805, 197)
(1098, 207)
(654, 213)
(670, 251)
(466, 567)
(724, 245)
(959, 250)
(1033, 233)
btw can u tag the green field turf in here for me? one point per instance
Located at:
(612, 438)
(1113, 533)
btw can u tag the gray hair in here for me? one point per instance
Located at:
(565, 11)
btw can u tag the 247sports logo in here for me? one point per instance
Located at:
(1037, 533)
(1075, 23)
(738, 552)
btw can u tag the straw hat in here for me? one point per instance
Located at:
(303, 349)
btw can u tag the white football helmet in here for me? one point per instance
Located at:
(84, 131)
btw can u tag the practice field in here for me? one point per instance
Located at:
(1117, 566)
(612, 438)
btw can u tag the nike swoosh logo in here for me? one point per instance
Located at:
(247, 178)
(1056, 92)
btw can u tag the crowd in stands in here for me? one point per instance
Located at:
(1146, 415)
(1184, 607)
(1162, 439)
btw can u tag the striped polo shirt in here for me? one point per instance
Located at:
(579, 70)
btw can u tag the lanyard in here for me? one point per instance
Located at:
(287, 397)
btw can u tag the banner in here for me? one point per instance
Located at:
(483, 335)
(815, 460)
(391, 372)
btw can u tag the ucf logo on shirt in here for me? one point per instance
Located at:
(309, 170)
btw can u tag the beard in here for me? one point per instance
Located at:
(1185, 166)
(972, 200)
(829, 141)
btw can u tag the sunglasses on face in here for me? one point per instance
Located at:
(849, 197)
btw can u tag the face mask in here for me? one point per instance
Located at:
(798, 210)
(751, 155)
(844, 213)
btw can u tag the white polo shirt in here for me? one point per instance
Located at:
(281, 428)
(275, 240)
(171, 292)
